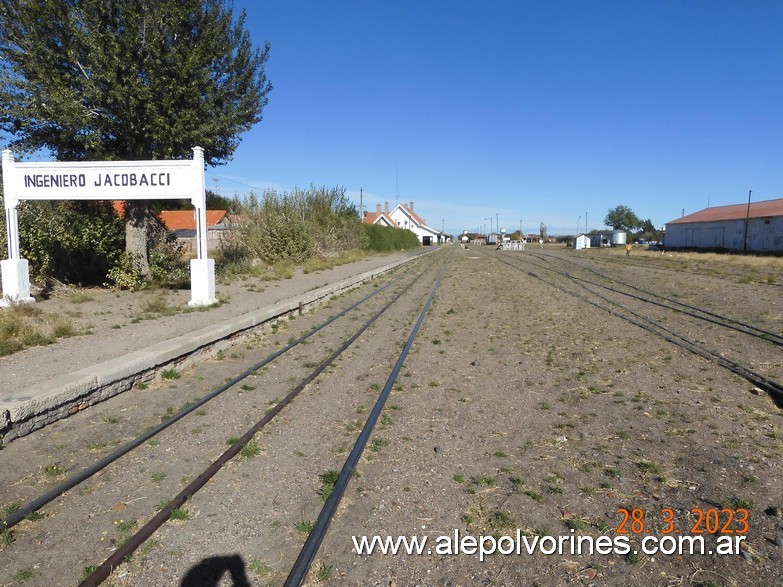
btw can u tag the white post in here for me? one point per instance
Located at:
(202, 269)
(15, 271)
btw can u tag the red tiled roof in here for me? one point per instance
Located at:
(186, 219)
(374, 217)
(763, 209)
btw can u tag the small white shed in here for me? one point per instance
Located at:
(582, 242)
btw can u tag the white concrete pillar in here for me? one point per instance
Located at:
(202, 282)
(16, 282)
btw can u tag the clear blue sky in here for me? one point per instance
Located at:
(539, 111)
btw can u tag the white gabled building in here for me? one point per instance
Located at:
(406, 218)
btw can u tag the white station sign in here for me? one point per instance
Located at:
(121, 180)
(104, 180)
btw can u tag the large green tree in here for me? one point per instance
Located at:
(622, 218)
(128, 80)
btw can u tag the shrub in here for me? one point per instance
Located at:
(75, 242)
(125, 274)
(386, 238)
(272, 230)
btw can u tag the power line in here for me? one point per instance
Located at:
(247, 185)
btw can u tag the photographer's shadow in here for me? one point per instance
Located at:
(210, 571)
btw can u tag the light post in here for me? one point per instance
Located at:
(520, 230)
(577, 225)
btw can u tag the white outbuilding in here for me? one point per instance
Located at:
(582, 242)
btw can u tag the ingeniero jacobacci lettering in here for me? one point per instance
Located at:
(67, 180)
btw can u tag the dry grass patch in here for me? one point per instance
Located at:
(26, 325)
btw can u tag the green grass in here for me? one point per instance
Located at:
(170, 374)
(577, 523)
(53, 471)
(378, 443)
(328, 479)
(259, 568)
(180, 514)
(501, 520)
(484, 481)
(324, 572)
(738, 503)
(23, 576)
(7, 538)
(250, 450)
(125, 525)
(11, 508)
(648, 467)
(305, 526)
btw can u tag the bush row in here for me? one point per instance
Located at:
(386, 238)
(84, 242)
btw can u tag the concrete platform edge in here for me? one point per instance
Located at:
(41, 404)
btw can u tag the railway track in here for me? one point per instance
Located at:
(407, 298)
(743, 348)
(525, 403)
(679, 265)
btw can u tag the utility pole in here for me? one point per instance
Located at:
(585, 222)
(397, 187)
(747, 219)
(361, 204)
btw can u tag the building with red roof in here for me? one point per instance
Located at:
(755, 227)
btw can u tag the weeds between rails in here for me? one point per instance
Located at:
(299, 571)
(22, 512)
(774, 388)
(714, 318)
(759, 269)
(100, 573)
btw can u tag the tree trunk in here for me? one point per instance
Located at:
(136, 235)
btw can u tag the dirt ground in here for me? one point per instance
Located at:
(519, 409)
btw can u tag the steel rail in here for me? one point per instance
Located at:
(91, 470)
(770, 386)
(710, 317)
(774, 338)
(102, 572)
(299, 571)
(638, 263)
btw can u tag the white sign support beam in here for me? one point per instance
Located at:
(104, 180)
